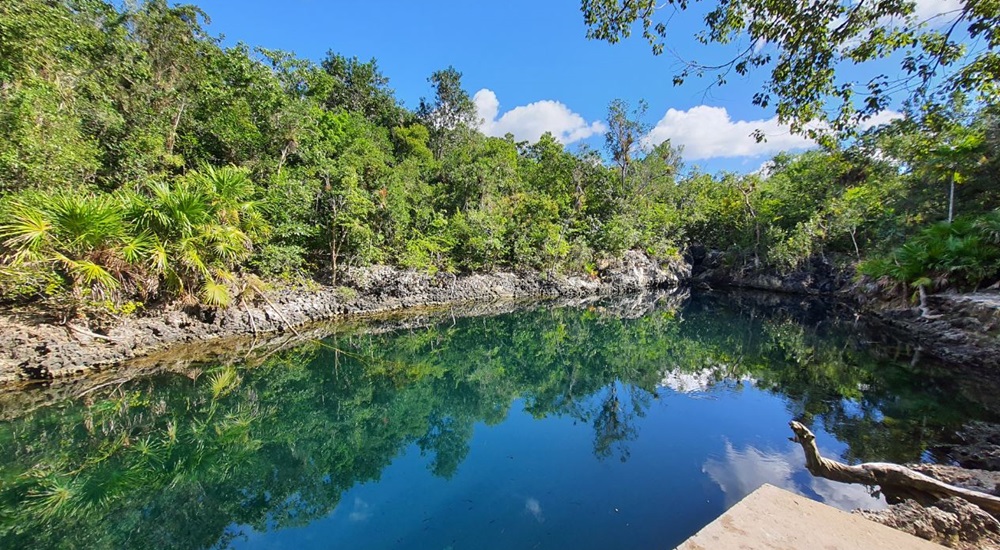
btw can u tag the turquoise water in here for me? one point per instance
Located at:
(621, 424)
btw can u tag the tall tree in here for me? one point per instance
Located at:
(451, 109)
(624, 135)
(361, 87)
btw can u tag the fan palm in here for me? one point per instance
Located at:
(962, 254)
(80, 236)
(205, 225)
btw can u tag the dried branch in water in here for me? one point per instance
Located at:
(895, 481)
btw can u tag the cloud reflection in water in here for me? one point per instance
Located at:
(740, 472)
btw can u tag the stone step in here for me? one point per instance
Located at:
(775, 519)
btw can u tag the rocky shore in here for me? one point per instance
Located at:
(960, 329)
(816, 277)
(34, 346)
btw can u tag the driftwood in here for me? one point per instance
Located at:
(896, 482)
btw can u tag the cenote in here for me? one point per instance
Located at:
(624, 423)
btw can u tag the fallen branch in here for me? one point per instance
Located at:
(895, 481)
(118, 381)
(86, 332)
(281, 316)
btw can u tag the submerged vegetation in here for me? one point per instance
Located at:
(175, 460)
(140, 160)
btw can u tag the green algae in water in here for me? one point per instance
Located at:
(616, 424)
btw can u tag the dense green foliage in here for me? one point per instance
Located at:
(140, 159)
(276, 443)
(961, 254)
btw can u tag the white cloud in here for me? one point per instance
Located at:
(884, 117)
(709, 132)
(529, 122)
(936, 12)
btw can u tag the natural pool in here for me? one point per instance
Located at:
(626, 423)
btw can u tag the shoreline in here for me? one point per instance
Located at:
(34, 347)
(963, 330)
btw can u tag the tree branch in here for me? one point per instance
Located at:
(895, 481)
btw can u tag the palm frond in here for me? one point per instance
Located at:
(92, 274)
(28, 229)
(224, 381)
(215, 294)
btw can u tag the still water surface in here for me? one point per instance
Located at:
(618, 424)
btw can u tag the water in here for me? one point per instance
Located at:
(623, 424)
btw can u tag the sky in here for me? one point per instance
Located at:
(529, 67)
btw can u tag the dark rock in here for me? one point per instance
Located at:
(816, 276)
(978, 446)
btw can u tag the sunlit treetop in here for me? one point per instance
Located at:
(810, 47)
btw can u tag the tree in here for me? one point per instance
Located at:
(624, 135)
(806, 46)
(451, 109)
(362, 88)
(951, 156)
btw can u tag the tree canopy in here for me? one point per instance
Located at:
(809, 47)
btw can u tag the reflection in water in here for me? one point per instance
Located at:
(188, 462)
(614, 426)
(741, 472)
(701, 381)
(535, 509)
(360, 511)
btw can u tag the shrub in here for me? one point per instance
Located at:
(964, 255)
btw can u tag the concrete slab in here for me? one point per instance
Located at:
(775, 519)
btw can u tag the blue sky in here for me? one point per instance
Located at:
(529, 65)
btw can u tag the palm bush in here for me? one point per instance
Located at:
(76, 239)
(193, 234)
(204, 225)
(963, 254)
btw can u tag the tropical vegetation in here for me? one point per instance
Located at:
(142, 160)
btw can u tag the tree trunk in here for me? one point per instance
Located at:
(896, 482)
(854, 240)
(333, 260)
(173, 129)
(951, 199)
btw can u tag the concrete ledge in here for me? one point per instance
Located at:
(775, 519)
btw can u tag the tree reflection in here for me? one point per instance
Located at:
(168, 461)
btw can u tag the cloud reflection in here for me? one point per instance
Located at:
(700, 381)
(533, 507)
(360, 512)
(740, 472)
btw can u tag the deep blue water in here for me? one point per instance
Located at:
(535, 483)
(605, 426)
